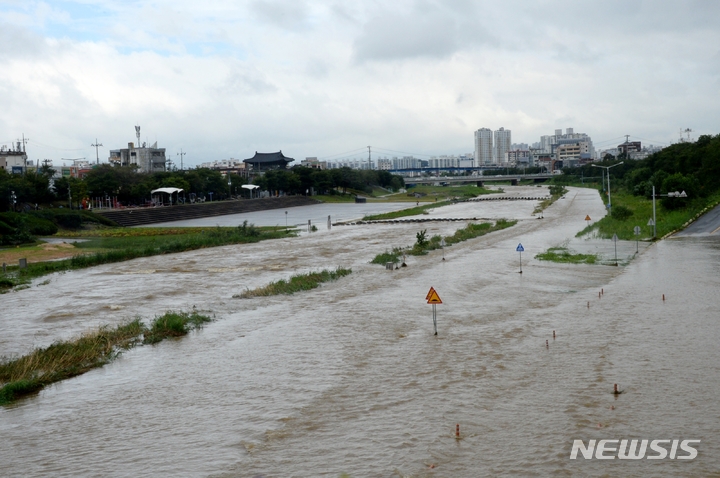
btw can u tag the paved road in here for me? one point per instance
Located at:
(708, 224)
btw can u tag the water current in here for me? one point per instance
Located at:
(349, 378)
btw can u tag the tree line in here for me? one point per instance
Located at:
(24, 191)
(690, 167)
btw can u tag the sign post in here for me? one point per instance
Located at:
(433, 298)
(587, 218)
(520, 249)
(651, 222)
(637, 233)
(615, 239)
(442, 245)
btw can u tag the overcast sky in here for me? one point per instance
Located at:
(226, 78)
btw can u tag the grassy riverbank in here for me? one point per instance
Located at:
(296, 283)
(640, 210)
(423, 245)
(31, 373)
(104, 246)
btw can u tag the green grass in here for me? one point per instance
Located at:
(388, 256)
(173, 324)
(562, 254)
(468, 232)
(413, 211)
(121, 244)
(555, 194)
(667, 220)
(62, 360)
(296, 283)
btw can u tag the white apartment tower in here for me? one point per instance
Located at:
(503, 141)
(483, 147)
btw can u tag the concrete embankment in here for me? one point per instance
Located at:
(142, 216)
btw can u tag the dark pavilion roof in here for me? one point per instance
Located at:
(269, 158)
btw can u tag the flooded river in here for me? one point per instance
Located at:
(349, 378)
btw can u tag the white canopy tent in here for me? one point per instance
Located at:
(250, 187)
(168, 191)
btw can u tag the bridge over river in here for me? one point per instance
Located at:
(479, 180)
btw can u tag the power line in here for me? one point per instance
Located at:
(404, 152)
(53, 147)
(341, 154)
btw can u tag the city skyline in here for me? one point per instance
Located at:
(220, 80)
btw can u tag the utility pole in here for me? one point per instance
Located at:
(24, 140)
(627, 147)
(369, 160)
(181, 154)
(97, 155)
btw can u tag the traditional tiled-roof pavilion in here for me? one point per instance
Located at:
(266, 161)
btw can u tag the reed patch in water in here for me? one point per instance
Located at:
(62, 360)
(563, 255)
(296, 283)
(422, 246)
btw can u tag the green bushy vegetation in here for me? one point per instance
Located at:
(413, 211)
(562, 254)
(423, 244)
(30, 373)
(690, 167)
(296, 283)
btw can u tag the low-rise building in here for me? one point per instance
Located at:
(314, 163)
(229, 166)
(13, 161)
(146, 159)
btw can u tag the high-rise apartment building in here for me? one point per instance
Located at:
(503, 142)
(483, 147)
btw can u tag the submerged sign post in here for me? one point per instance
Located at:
(433, 298)
(615, 239)
(520, 249)
(637, 231)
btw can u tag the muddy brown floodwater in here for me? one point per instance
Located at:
(349, 378)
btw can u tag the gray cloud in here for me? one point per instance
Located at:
(425, 29)
(245, 80)
(287, 15)
(17, 42)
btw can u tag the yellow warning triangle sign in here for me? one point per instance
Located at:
(587, 218)
(433, 297)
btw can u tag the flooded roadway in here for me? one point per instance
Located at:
(349, 378)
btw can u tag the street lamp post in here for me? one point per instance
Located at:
(675, 194)
(607, 168)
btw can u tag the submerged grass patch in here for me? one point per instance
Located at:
(413, 211)
(423, 245)
(563, 255)
(62, 360)
(122, 244)
(388, 256)
(296, 283)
